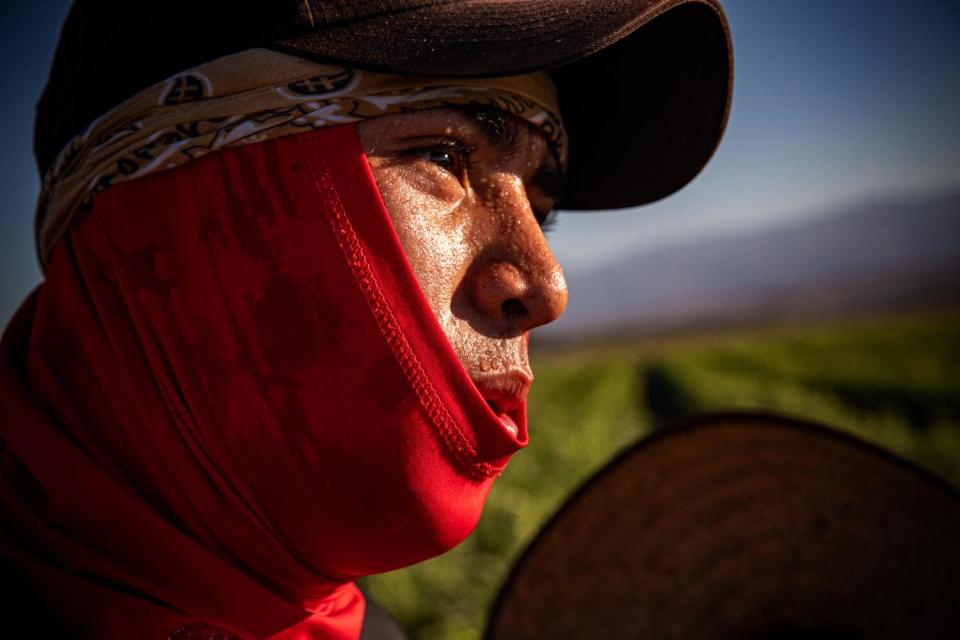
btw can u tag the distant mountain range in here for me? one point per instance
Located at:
(869, 257)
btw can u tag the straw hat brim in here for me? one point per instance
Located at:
(743, 526)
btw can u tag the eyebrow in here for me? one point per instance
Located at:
(502, 131)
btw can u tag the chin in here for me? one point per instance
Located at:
(433, 518)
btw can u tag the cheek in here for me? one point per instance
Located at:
(406, 186)
(434, 238)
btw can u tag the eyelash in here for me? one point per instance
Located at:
(460, 151)
(548, 222)
(462, 155)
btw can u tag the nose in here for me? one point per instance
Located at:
(518, 283)
(518, 299)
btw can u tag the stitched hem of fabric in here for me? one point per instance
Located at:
(456, 443)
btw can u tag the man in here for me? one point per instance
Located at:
(293, 253)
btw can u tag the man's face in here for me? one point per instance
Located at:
(468, 193)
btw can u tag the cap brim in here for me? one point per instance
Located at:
(644, 85)
(743, 526)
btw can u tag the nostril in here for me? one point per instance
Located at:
(513, 309)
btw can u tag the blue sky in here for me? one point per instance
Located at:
(835, 101)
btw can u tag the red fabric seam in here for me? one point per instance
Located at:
(451, 435)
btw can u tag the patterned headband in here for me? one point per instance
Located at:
(250, 97)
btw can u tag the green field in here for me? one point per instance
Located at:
(895, 382)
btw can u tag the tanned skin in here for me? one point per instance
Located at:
(469, 193)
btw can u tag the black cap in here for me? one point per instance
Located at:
(644, 85)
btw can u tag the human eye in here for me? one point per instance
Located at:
(547, 220)
(545, 191)
(452, 156)
(442, 158)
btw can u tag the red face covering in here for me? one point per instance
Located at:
(230, 398)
